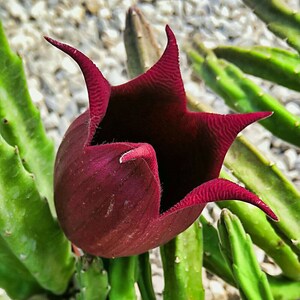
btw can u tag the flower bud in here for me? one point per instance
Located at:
(137, 168)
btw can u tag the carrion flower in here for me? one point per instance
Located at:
(137, 168)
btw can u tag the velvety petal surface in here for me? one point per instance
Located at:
(137, 168)
(160, 230)
(106, 192)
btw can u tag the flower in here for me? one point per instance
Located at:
(137, 168)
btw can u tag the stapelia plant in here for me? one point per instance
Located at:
(137, 168)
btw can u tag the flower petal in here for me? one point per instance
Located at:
(216, 133)
(219, 190)
(163, 80)
(97, 198)
(98, 87)
(183, 214)
(146, 152)
(202, 140)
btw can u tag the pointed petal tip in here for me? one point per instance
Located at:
(62, 46)
(264, 114)
(170, 33)
(255, 116)
(271, 214)
(266, 209)
(98, 87)
(52, 41)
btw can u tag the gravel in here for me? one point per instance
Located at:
(95, 27)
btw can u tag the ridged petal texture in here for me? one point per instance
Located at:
(137, 168)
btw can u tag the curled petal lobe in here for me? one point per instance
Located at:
(98, 87)
(184, 213)
(164, 76)
(218, 132)
(219, 190)
(146, 152)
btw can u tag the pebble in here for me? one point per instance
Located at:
(293, 174)
(17, 10)
(51, 103)
(260, 254)
(36, 96)
(105, 13)
(93, 6)
(281, 165)
(271, 268)
(115, 77)
(54, 135)
(297, 164)
(194, 89)
(293, 107)
(56, 103)
(158, 283)
(44, 112)
(71, 111)
(217, 290)
(290, 157)
(38, 10)
(69, 65)
(63, 125)
(81, 98)
(76, 13)
(51, 121)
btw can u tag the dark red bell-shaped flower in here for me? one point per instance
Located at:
(137, 168)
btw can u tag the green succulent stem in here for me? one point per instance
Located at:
(237, 249)
(27, 226)
(30, 237)
(182, 264)
(145, 277)
(273, 64)
(213, 260)
(263, 235)
(268, 182)
(20, 122)
(141, 47)
(92, 278)
(242, 94)
(282, 288)
(279, 18)
(14, 276)
(122, 274)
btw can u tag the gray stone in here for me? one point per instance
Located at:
(81, 98)
(290, 157)
(71, 111)
(39, 10)
(294, 108)
(17, 10)
(63, 125)
(51, 121)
